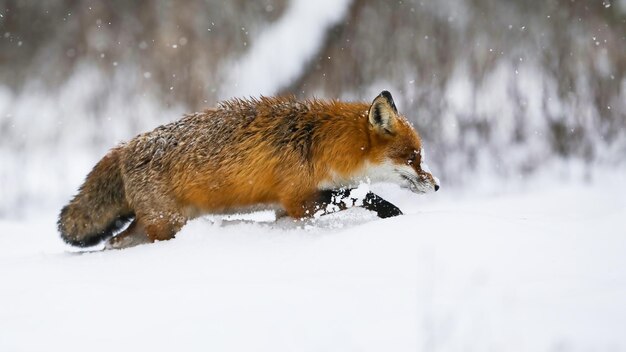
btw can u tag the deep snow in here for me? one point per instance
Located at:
(537, 270)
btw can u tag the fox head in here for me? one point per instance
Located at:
(397, 155)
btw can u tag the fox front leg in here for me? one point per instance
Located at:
(383, 208)
(372, 202)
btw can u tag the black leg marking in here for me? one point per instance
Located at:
(383, 208)
(341, 198)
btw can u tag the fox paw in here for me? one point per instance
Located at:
(121, 242)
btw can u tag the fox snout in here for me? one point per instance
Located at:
(425, 174)
(417, 177)
(422, 183)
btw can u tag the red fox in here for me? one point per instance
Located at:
(299, 155)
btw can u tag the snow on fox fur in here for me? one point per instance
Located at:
(299, 156)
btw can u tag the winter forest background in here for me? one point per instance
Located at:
(522, 109)
(504, 88)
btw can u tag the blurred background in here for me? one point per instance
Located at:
(500, 90)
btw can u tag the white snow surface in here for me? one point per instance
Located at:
(279, 54)
(538, 269)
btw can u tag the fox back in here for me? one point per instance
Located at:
(247, 153)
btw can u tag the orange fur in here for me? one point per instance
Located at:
(240, 154)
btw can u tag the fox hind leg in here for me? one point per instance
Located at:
(133, 235)
(163, 226)
(148, 228)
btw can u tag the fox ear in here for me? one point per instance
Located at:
(383, 113)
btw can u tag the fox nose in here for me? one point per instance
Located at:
(436, 188)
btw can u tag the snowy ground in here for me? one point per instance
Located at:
(536, 270)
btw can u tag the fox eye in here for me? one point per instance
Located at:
(412, 158)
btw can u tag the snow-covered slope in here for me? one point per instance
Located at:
(278, 55)
(543, 270)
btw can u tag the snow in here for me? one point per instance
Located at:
(532, 268)
(279, 54)
(62, 134)
(535, 269)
